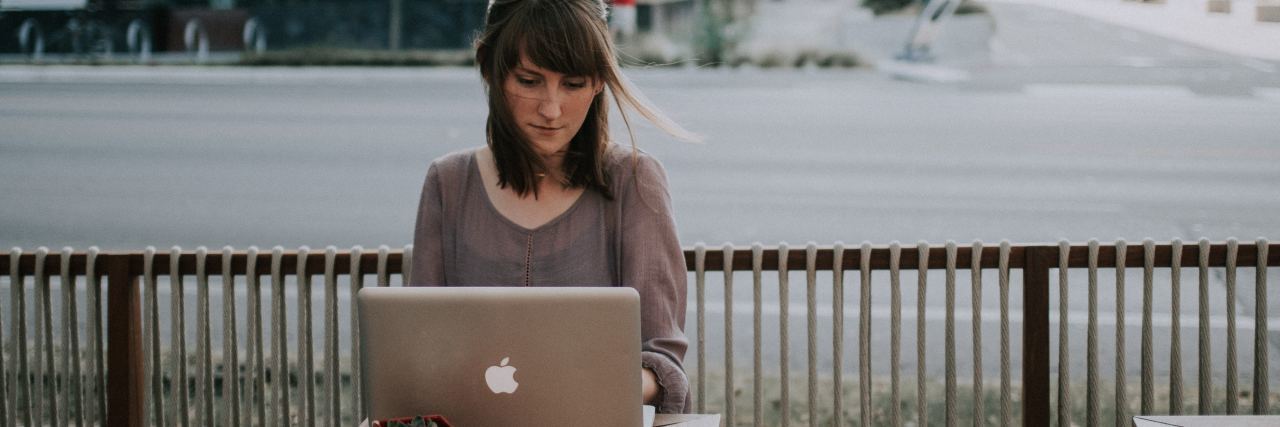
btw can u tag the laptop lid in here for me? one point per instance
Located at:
(491, 356)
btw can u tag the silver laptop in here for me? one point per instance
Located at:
(503, 356)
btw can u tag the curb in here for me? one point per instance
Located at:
(922, 73)
(219, 75)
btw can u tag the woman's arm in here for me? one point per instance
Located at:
(653, 263)
(648, 386)
(427, 268)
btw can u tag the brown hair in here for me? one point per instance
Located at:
(570, 37)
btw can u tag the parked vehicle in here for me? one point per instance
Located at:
(115, 29)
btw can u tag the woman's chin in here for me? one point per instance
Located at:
(547, 148)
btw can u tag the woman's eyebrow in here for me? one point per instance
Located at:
(526, 70)
(522, 69)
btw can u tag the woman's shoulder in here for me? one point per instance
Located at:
(638, 176)
(626, 162)
(452, 165)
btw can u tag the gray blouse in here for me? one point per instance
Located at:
(462, 240)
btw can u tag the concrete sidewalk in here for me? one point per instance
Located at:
(1189, 21)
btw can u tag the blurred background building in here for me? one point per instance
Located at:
(101, 28)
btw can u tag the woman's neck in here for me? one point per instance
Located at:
(554, 163)
(554, 180)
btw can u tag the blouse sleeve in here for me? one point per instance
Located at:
(653, 263)
(427, 268)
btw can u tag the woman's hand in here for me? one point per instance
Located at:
(648, 386)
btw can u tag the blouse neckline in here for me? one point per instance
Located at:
(484, 193)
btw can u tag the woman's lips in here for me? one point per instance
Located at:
(545, 130)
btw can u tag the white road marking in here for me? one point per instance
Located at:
(1108, 91)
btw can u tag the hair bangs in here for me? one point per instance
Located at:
(556, 36)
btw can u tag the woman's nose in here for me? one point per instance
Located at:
(549, 108)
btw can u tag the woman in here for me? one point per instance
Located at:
(551, 201)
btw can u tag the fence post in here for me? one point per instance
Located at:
(124, 343)
(1035, 335)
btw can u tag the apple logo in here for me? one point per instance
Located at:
(501, 379)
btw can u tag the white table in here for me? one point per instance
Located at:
(686, 420)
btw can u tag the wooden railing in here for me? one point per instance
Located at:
(121, 377)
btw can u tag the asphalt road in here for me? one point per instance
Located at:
(1073, 129)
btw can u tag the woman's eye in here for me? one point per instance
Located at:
(575, 85)
(526, 82)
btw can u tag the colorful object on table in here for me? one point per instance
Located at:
(418, 421)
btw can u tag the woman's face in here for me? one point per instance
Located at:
(549, 107)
